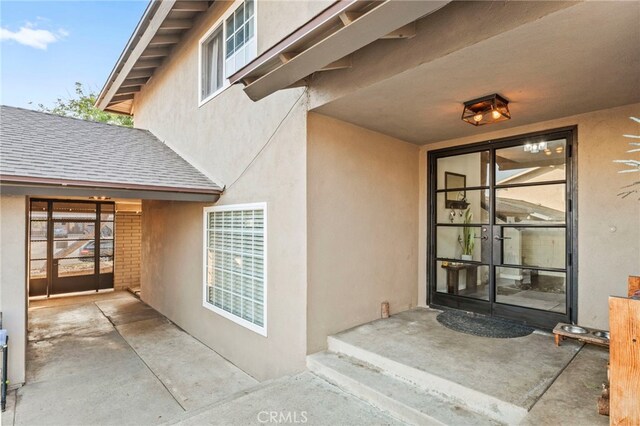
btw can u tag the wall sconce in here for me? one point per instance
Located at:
(486, 110)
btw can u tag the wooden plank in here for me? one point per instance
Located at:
(407, 31)
(624, 360)
(149, 63)
(633, 284)
(191, 6)
(155, 52)
(146, 73)
(126, 70)
(164, 39)
(130, 82)
(176, 24)
(120, 98)
(338, 65)
(128, 89)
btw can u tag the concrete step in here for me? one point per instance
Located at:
(402, 400)
(472, 400)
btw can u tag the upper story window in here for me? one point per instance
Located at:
(227, 47)
(211, 64)
(240, 37)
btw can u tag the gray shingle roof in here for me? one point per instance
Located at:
(45, 146)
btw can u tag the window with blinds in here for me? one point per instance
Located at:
(235, 263)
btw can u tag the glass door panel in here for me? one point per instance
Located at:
(531, 288)
(64, 249)
(472, 170)
(501, 226)
(537, 204)
(476, 200)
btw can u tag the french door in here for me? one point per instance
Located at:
(502, 228)
(70, 246)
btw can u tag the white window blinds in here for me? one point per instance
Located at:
(235, 263)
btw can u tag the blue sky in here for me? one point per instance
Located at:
(47, 46)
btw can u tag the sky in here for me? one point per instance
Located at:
(46, 46)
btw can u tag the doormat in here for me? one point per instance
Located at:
(479, 325)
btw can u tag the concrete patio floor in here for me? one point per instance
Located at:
(109, 359)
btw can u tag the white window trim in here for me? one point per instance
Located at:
(205, 247)
(221, 22)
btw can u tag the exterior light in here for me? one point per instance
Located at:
(486, 110)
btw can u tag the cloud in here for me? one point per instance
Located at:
(31, 36)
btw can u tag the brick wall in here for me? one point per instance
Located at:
(127, 255)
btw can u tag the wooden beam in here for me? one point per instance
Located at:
(190, 6)
(338, 65)
(157, 52)
(130, 82)
(120, 98)
(163, 10)
(407, 31)
(287, 56)
(128, 89)
(349, 17)
(163, 39)
(149, 63)
(176, 24)
(146, 73)
(248, 80)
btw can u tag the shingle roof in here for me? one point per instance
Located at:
(44, 146)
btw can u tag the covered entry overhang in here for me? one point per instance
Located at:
(49, 155)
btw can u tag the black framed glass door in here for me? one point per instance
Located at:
(71, 246)
(501, 228)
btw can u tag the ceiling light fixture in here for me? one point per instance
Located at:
(486, 110)
(100, 197)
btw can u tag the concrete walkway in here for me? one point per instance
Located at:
(110, 359)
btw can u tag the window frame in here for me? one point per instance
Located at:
(262, 330)
(221, 23)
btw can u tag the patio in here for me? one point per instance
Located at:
(423, 372)
(109, 358)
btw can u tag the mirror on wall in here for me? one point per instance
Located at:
(454, 184)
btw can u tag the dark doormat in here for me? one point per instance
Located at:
(479, 325)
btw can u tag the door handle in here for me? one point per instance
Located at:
(501, 238)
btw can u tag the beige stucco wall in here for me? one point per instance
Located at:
(608, 226)
(362, 209)
(13, 287)
(222, 138)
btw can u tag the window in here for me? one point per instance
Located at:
(226, 48)
(235, 264)
(240, 39)
(211, 64)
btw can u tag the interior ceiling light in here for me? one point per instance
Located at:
(486, 110)
(535, 148)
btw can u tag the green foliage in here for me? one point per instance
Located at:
(83, 106)
(467, 240)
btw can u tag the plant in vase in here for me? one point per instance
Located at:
(467, 239)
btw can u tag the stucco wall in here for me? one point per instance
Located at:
(222, 138)
(13, 302)
(608, 226)
(362, 209)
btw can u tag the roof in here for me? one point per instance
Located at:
(160, 28)
(42, 148)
